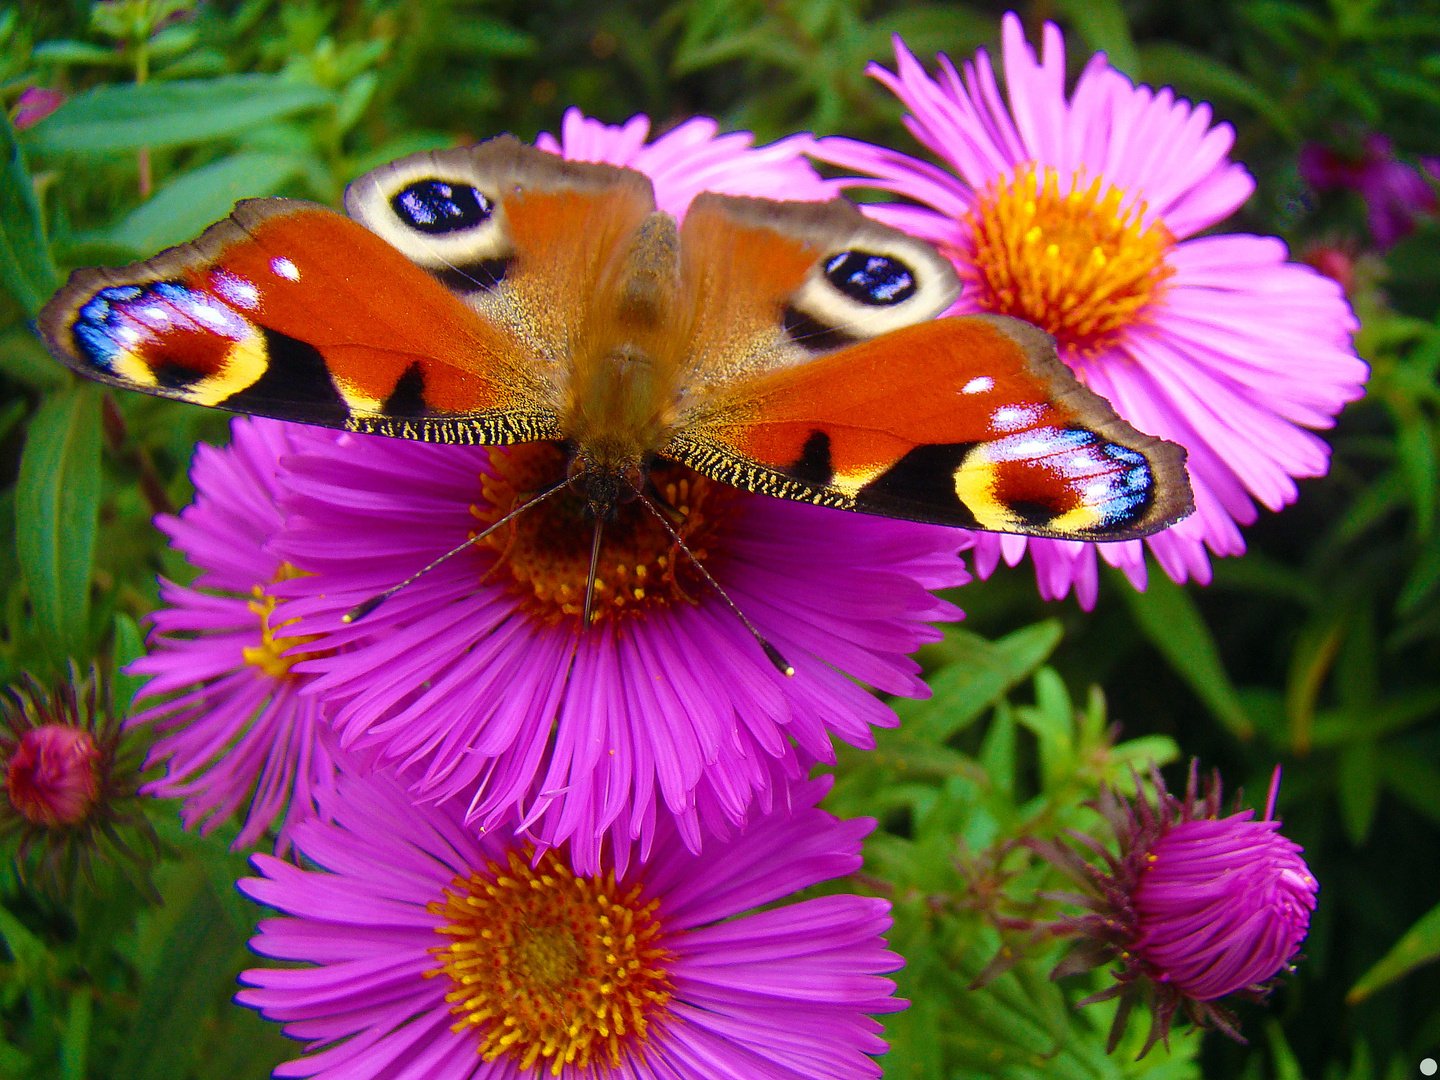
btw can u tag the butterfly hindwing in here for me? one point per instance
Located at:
(968, 421)
(774, 285)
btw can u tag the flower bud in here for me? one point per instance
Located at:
(1194, 907)
(53, 776)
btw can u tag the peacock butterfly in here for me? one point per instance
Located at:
(498, 294)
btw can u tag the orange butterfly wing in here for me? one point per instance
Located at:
(287, 309)
(969, 421)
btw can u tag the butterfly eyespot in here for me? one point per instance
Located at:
(439, 206)
(876, 280)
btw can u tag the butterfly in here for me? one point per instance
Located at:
(498, 294)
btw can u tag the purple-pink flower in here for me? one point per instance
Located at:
(236, 736)
(1396, 194)
(479, 683)
(1079, 213)
(692, 157)
(34, 105)
(441, 953)
(1194, 907)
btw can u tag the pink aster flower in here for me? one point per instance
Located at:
(236, 736)
(692, 158)
(1080, 214)
(445, 955)
(1195, 906)
(480, 682)
(34, 105)
(1397, 195)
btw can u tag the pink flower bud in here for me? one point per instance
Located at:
(53, 776)
(1222, 905)
(36, 104)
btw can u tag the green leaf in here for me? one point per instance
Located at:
(78, 52)
(1359, 789)
(978, 673)
(1415, 448)
(1052, 719)
(1205, 78)
(1287, 1067)
(29, 952)
(1424, 576)
(1170, 621)
(194, 970)
(158, 114)
(129, 647)
(481, 36)
(355, 100)
(25, 360)
(1103, 25)
(57, 502)
(75, 1041)
(188, 203)
(26, 269)
(1419, 945)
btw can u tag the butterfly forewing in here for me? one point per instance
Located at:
(289, 310)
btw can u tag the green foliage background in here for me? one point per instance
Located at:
(1320, 649)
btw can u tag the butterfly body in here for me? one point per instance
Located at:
(498, 295)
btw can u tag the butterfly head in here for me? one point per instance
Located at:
(605, 483)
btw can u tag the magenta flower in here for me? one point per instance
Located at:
(481, 683)
(1195, 906)
(70, 781)
(1396, 194)
(1074, 213)
(692, 158)
(53, 775)
(34, 105)
(445, 955)
(236, 735)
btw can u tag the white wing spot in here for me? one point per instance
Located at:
(283, 267)
(1014, 417)
(978, 385)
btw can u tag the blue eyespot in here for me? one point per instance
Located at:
(877, 280)
(438, 206)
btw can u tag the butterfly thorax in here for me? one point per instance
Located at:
(622, 392)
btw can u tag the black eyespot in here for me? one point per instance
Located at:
(438, 206)
(877, 280)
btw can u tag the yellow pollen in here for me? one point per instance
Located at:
(1083, 265)
(545, 552)
(267, 656)
(549, 966)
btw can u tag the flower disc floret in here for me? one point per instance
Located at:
(550, 966)
(1078, 260)
(544, 553)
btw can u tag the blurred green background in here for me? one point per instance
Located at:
(1320, 649)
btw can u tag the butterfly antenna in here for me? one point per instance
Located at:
(458, 271)
(775, 656)
(594, 569)
(359, 611)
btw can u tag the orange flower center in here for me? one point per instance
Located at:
(269, 656)
(1082, 265)
(546, 551)
(547, 965)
